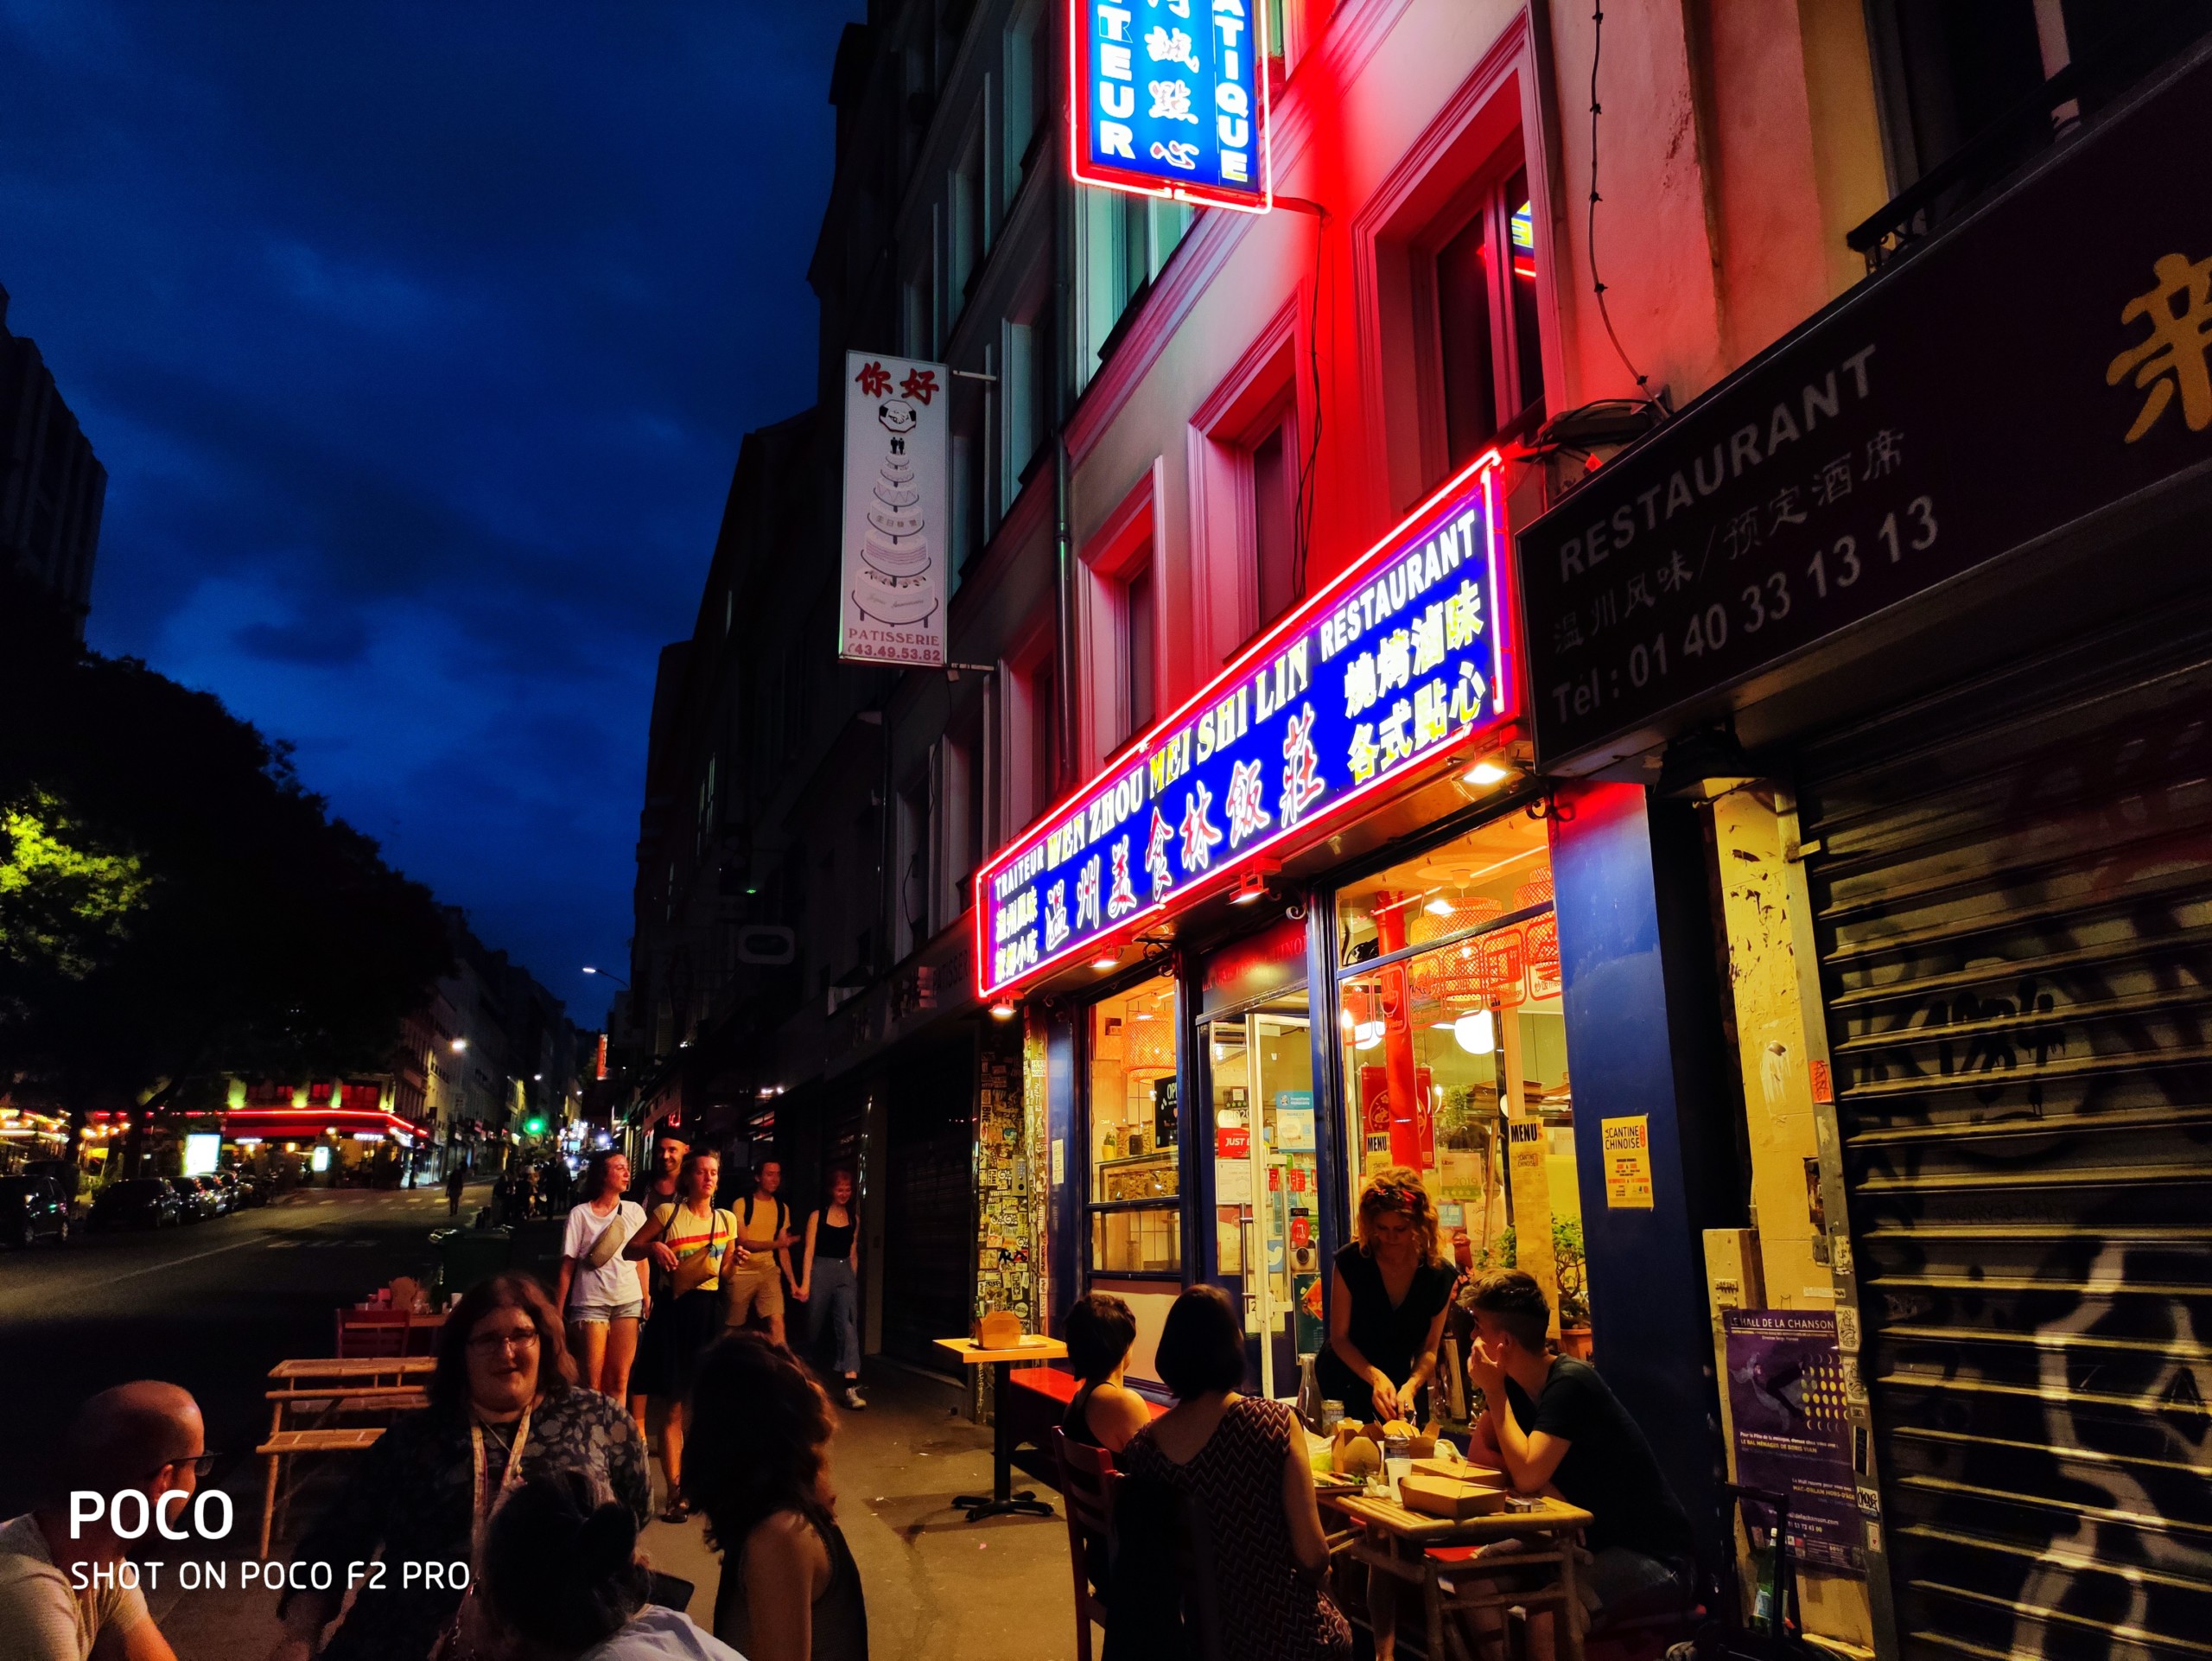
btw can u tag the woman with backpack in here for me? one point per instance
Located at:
(696, 1242)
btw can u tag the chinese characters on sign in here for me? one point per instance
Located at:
(1383, 670)
(1935, 420)
(892, 594)
(1170, 98)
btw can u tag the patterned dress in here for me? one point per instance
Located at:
(410, 1497)
(1271, 1612)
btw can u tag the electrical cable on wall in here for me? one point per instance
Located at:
(1302, 509)
(1597, 286)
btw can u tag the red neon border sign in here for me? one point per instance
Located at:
(1485, 470)
(1082, 85)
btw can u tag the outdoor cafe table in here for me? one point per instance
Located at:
(1396, 1541)
(1002, 1500)
(352, 1369)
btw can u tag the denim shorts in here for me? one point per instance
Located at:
(600, 1314)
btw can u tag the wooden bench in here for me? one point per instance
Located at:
(1039, 1399)
(285, 1444)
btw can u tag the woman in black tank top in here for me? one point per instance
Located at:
(830, 1282)
(1101, 1331)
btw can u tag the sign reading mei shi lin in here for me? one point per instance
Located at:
(1385, 670)
(1170, 98)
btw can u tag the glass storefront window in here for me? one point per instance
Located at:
(1455, 1051)
(1136, 1216)
(1266, 1180)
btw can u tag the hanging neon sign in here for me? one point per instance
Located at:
(1169, 97)
(1379, 675)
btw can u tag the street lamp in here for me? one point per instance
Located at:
(617, 979)
(459, 1045)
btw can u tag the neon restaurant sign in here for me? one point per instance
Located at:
(1379, 674)
(1169, 97)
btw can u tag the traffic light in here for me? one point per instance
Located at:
(533, 1126)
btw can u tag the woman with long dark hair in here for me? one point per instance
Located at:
(504, 1407)
(759, 1468)
(829, 1281)
(559, 1580)
(695, 1241)
(603, 1294)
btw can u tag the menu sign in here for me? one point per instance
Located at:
(1884, 449)
(1388, 669)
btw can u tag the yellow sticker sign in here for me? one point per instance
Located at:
(1628, 1162)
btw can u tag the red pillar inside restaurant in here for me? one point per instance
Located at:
(1401, 1079)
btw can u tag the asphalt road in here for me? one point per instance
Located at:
(211, 1306)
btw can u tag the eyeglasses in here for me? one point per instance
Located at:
(203, 1465)
(493, 1342)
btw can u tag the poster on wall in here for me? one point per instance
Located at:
(1627, 1143)
(1792, 1435)
(898, 502)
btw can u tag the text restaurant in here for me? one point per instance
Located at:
(1299, 933)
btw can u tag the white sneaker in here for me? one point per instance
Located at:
(852, 1397)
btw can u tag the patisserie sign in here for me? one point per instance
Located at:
(1375, 682)
(897, 508)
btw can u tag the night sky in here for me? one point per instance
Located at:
(418, 342)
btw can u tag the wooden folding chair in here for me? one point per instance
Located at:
(373, 1332)
(1087, 1480)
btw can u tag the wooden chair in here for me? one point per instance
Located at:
(285, 1444)
(1087, 1481)
(374, 1332)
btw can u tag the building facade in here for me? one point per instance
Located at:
(52, 487)
(1642, 661)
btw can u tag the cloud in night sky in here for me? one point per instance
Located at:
(418, 342)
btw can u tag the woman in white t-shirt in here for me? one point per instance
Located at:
(603, 1294)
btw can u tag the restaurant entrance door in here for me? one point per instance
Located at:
(1259, 1070)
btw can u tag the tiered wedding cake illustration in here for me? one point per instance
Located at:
(894, 583)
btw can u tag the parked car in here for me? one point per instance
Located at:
(137, 1202)
(31, 1207)
(195, 1204)
(250, 1189)
(219, 1197)
(227, 1184)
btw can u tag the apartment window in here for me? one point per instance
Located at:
(971, 451)
(1044, 736)
(1276, 565)
(1127, 240)
(1029, 84)
(960, 810)
(1026, 388)
(1139, 645)
(967, 230)
(1490, 360)
(919, 292)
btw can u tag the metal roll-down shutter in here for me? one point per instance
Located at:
(2012, 888)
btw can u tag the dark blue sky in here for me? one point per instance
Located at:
(417, 342)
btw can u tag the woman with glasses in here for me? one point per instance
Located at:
(1388, 1303)
(504, 1407)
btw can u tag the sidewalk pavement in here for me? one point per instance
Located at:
(938, 1588)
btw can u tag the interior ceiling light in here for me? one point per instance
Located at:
(1439, 906)
(1476, 1032)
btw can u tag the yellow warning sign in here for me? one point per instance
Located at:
(1628, 1162)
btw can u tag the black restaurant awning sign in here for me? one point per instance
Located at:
(2050, 357)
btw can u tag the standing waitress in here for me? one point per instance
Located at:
(828, 1281)
(1387, 1307)
(696, 1242)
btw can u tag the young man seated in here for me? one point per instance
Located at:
(1567, 1434)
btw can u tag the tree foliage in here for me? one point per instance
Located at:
(173, 902)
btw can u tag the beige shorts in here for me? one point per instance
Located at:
(758, 1285)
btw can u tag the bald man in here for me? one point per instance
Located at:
(145, 1436)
